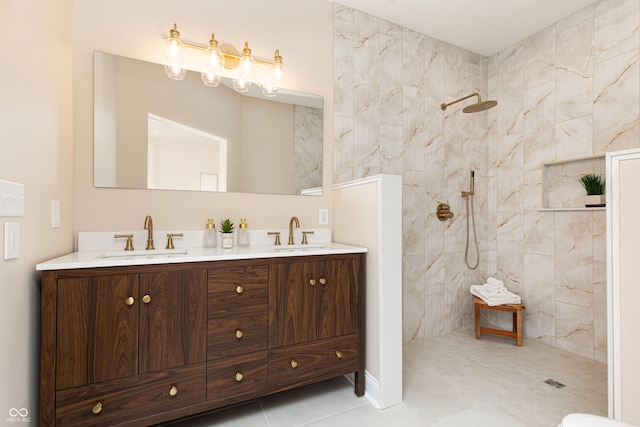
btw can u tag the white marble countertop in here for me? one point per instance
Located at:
(116, 258)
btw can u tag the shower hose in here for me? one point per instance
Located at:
(475, 237)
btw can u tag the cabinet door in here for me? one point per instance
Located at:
(292, 303)
(173, 319)
(337, 298)
(97, 329)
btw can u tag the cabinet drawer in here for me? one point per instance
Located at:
(335, 356)
(236, 335)
(127, 399)
(237, 289)
(237, 376)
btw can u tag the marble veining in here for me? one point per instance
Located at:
(567, 92)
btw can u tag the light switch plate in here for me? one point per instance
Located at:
(11, 198)
(323, 217)
(11, 240)
(55, 214)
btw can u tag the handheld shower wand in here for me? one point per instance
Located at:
(468, 195)
(471, 191)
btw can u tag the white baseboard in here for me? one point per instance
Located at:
(371, 388)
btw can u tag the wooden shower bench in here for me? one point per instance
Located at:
(516, 309)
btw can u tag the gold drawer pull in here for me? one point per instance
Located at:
(293, 364)
(339, 354)
(146, 299)
(97, 408)
(323, 281)
(239, 289)
(312, 282)
(239, 334)
(129, 301)
(173, 391)
(239, 376)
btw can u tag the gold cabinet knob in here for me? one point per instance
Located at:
(146, 299)
(293, 364)
(239, 289)
(312, 282)
(323, 281)
(129, 301)
(173, 391)
(339, 354)
(239, 333)
(97, 408)
(239, 376)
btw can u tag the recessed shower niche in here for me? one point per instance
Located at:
(561, 190)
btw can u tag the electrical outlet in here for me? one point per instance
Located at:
(323, 217)
(11, 240)
(55, 214)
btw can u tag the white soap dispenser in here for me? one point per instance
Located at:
(243, 233)
(210, 239)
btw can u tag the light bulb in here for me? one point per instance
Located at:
(277, 70)
(269, 90)
(241, 85)
(247, 66)
(213, 57)
(210, 79)
(174, 49)
(175, 72)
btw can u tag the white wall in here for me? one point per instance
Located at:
(36, 149)
(302, 31)
(623, 244)
(47, 106)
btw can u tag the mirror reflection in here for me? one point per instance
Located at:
(151, 132)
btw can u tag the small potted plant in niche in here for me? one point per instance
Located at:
(226, 228)
(594, 185)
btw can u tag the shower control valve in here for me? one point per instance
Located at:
(443, 212)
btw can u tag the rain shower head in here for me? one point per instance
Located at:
(473, 108)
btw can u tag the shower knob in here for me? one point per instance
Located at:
(443, 212)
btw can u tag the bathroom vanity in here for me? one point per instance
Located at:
(141, 341)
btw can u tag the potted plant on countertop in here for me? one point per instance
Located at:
(226, 228)
(594, 185)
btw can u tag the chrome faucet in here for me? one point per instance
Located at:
(291, 221)
(148, 225)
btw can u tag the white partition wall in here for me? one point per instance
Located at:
(368, 212)
(623, 284)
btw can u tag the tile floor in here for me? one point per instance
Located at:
(449, 381)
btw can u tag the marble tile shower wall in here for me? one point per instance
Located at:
(570, 91)
(389, 84)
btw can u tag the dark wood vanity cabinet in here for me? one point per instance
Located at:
(121, 343)
(140, 345)
(237, 332)
(315, 326)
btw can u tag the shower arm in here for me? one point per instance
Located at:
(444, 106)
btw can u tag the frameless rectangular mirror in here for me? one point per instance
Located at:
(151, 132)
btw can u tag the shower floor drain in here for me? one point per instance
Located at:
(554, 383)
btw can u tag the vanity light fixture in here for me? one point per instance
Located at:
(213, 63)
(174, 51)
(217, 59)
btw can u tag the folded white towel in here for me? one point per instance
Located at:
(495, 289)
(493, 299)
(495, 282)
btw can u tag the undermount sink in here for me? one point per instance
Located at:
(299, 248)
(144, 253)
